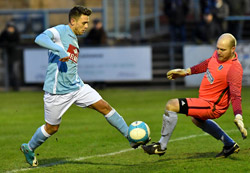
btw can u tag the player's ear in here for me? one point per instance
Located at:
(233, 49)
(72, 21)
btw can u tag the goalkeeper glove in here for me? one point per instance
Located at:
(238, 120)
(173, 74)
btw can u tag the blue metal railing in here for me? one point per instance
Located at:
(45, 16)
(240, 26)
(116, 5)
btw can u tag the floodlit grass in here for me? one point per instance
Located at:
(85, 139)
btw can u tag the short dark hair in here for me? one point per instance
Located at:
(78, 10)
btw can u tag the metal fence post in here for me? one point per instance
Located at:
(142, 18)
(127, 17)
(172, 61)
(116, 17)
(156, 16)
(104, 15)
(46, 19)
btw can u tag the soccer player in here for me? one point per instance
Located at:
(221, 84)
(63, 86)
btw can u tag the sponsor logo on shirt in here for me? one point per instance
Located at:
(209, 77)
(73, 53)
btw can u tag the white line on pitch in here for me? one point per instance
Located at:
(104, 155)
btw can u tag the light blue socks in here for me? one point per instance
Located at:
(38, 138)
(118, 122)
(112, 117)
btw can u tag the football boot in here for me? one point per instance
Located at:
(29, 155)
(227, 151)
(154, 148)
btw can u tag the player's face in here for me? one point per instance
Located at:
(80, 25)
(224, 50)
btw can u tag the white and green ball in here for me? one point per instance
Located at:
(138, 131)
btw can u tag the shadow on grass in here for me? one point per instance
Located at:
(52, 161)
(185, 156)
(188, 156)
(213, 154)
(62, 161)
(201, 155)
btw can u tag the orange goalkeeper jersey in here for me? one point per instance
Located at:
(222, 82)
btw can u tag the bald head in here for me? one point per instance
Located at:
(229, 39)
(226, 45)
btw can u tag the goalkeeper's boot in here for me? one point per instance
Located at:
(137, 144)
(29, 155)
(154, 148)
(227, 151)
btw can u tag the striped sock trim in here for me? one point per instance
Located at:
(44, 131)
(110, 113)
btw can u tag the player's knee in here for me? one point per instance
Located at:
(101, 106)
(55, 128)
(51, 129)
(172, 105)
(104, 107)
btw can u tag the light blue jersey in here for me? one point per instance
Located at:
(61, 77)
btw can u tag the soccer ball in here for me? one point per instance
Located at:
(138, 132)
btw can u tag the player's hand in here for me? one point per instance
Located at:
(65, 59)
(173, 74)
(238, 120)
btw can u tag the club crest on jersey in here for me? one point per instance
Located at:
(73, 53)
(220, 67)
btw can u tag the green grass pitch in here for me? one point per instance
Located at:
(85, 142)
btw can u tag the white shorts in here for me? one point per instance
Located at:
(56, 105)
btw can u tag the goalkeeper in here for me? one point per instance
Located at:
(221, 84)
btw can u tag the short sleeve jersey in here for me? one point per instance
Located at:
(62, 77)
